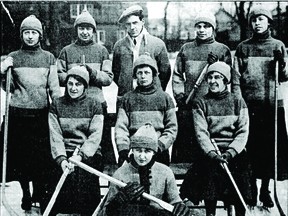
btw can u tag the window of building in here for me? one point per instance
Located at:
(121, 34)
(76, 9)
(101, 36)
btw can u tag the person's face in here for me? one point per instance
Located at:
(144, 76)
(74, 87)
(142, 156)
(259, 23)
(203, 30)
(31, 37)
(216, 82)
(134, 25)
(85, 33)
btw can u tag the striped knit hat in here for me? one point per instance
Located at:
(31, 23)
(145, 137)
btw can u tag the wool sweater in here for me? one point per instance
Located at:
(96, 58)
(123, 59)
(146, 104)
(162, 183)
(190, 62)
(223, 117)
(74, 122)
(34, 78)
(254, 62)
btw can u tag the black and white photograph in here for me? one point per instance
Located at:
(144, 108)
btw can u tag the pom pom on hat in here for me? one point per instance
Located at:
(207, 18)
(85, 18)
(145, 59)
(80, 71)
(222, 68)
(145, 137)
(31, 23)
(130, 10)
(257, 11)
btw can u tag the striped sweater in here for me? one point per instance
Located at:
(223, 117)
(190, 62)
(146, 104)
(96, 58)
(34, 78)
(74, 122)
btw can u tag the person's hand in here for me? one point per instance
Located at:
(5, 64)
(123, 155)
(180, 209)
(65, 164)
(212, 58)
(76, 158)
(214, 156)
(181, 100)
(227, 156)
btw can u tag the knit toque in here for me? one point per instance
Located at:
(31, 23)
(259, 11)
(145, 137)
(85, 18)
(80, 71)
(145, 60)
(222, 68)
(207, 18)
(128, 11)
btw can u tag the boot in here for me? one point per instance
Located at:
(26, 203)
(266, 199)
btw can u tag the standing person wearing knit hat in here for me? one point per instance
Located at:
(255, 61)
(143, 174)
(146, 103)
(76, 120)
(96, 58)
(190, 63)
(136, 43)
(221, 116)
(34, 80)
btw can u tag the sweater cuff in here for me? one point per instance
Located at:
(232, 151)
(60, 158)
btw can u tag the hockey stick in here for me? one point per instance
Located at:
(58, 187)
(197, 83)
(224, 165)
(160, 202)
(281, 212)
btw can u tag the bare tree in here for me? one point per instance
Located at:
(165, 21)
(243, 17)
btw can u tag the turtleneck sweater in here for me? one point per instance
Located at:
(190, 62)
(75, 122)
(34, 79)
(254, 62)
(143, 105)
(97, 60)
(162, 183)
(223, 117)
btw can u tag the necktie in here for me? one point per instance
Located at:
(134, 41)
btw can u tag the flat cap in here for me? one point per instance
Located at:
(128, 11)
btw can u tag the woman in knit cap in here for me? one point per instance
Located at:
(34, 80)
(255, 60)
(190, 63)
(147, 102)
(96, 58)
(143, 174)
(76, 120)
(221, 116)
